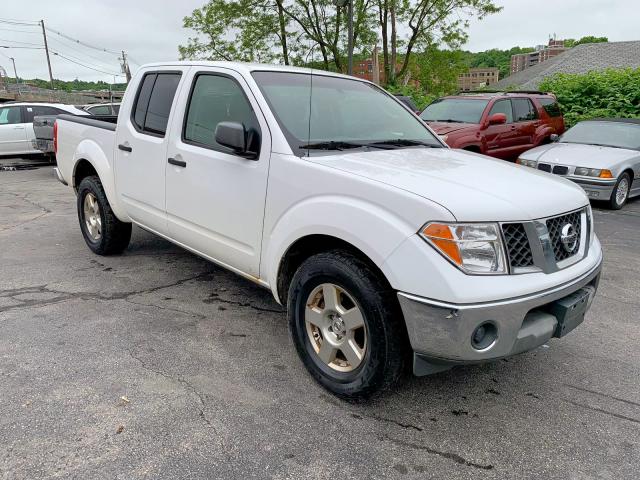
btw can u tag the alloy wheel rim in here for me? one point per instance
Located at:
(622, 191)
(92, 217)
(336, 328)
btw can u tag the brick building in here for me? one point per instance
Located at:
(541, 54)
(477, 78)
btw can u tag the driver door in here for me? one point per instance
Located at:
(13, 131)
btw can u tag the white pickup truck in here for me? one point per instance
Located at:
(387, 247)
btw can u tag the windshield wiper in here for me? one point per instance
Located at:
(404, 142)
(448, 120)
(332, 145)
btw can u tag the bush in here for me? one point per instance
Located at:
(608, 93)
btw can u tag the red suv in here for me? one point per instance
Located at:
(501, 125)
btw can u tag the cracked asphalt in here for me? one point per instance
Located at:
(157, 364)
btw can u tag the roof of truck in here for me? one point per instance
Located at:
(245, 67)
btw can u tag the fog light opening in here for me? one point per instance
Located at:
(484, 336)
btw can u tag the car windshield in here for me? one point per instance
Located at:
(464, 110)
(608, 134)
(320, 112)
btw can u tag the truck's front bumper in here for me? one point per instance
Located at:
(444, 334)
(596, 189)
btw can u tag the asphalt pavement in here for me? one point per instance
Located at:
(158, 364)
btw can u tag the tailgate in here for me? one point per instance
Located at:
(43, 126)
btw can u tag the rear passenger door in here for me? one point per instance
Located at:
(526, 119)
(215, 197)
(141, 148)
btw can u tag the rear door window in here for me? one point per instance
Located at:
(10, 115)
(40, 110)
(523, 110)
(153, 103)
(503, 106)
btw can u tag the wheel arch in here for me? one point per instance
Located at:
(310, 245)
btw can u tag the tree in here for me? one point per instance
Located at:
(426, 23)
(571, 42)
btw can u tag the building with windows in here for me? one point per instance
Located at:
(542, 53)
(477, 78)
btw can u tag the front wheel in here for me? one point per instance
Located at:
(620, 193)
(101, 229)
(346, 325)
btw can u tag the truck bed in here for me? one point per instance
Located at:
(43, 128)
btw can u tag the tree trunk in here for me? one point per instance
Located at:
(394, 43)
(383, 17)
(283, 33)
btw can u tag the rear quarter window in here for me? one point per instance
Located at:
(153, 102)
(551, 106)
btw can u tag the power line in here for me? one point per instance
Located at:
(65, 46)
(19, 31)
(22, 43)
(25, 48)
(83, 60)
(82, 43)
(83, 65)
(19, 22)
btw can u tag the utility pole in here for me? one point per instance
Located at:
(15, 72)
(125, 67)
(46, 49)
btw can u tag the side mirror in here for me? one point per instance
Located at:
(497, 119)
(234, 136)
(554, 137)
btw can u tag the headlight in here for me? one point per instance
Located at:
(473, 247)
(593, 172)
(527, 163)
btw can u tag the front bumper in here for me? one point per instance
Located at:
(441, 333)
(596, 189)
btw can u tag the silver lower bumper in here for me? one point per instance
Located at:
(441, 333)
(597, 189)
(58, 175)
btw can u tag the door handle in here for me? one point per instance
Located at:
(124, 148)
(18, 128)
(177, 163)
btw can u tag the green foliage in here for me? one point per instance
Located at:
(571, 42)
(608, 93)
(437, 70)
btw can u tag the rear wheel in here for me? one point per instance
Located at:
(101, 229)
(346, 325)
(620, 193)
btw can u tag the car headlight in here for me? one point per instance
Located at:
(527, 163)
(593, 172)
(475, 248)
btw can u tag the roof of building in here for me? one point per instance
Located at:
(581, 59)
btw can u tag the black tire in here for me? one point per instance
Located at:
(613, 202)
(387, 346)
(115, 235)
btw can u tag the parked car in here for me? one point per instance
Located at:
(100, 109)
(600, 155)
(501, 125)
(16, 124)
(387, 247)
(408, 102)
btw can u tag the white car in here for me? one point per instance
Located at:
(16, 124)
(600, 155)
(388, 248)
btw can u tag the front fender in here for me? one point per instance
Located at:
(374, 230)
(92, 152)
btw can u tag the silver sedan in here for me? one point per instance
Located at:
(601, 155)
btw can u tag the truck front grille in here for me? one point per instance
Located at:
(555, 225)
(518, 247)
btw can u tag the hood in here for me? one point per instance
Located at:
(444, 128)
(579, 155)
(471, 186)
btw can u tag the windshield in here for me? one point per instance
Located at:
(463, 110)
(609, 134)
(331, 113)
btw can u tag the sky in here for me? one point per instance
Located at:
(151, 30)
